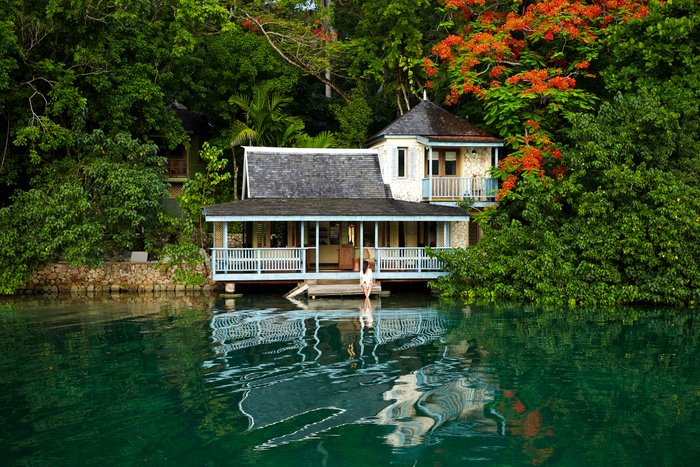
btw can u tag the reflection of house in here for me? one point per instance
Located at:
(310, 213)
(292, 367)
(424, 401)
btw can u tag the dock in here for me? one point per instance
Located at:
(332, 288)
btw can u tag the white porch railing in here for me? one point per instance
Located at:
(458, 188)
(292, 263)
(258, 260)
(406, 259)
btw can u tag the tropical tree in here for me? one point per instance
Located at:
(620, 228)
(614, 226)
(267, 123)
(525, 63)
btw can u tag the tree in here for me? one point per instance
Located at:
(525, 63)
(621, 228)
(354, 118)
(267, 123)
(299, 31)
(84, 66)
(382, 44)
(83, 211)
(204, 189)
(659, 51)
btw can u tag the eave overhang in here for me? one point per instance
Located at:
(351, 210)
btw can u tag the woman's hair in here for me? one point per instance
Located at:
(365, 265)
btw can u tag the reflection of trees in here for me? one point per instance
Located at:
(607, 384)
(104, 373)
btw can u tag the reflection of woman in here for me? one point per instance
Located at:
(366, 279)
(367, 314)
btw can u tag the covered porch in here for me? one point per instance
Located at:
(296, 247)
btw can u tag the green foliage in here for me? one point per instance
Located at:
(658, 51)
(268, 124)
(621, 228)
(354, 118)
(205, 188)
(183, 257)
(83, 210)
(383, 43)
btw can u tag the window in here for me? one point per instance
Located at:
(443, 163)
(401, 161)
(450, 162)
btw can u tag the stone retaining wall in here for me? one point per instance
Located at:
(110, 277)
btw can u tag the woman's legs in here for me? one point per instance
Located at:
(367, 289)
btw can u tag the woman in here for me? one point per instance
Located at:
(366, 280)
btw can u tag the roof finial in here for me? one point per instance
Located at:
(425, 95)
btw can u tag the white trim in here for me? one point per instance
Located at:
(349, 218)
(245, 177)
(266, 149)
(462, 144)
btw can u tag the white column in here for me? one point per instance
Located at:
(318, 253)
(303, 250)
(430, 173)
(377, 254)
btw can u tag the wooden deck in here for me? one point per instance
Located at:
(332, 288)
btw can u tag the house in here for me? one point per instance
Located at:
(183, 160)
(430, 155)
(310, 214)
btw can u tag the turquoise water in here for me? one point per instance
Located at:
(409, 381)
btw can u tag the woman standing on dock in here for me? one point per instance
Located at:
(366, 280)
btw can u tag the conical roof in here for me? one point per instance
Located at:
(432, 121)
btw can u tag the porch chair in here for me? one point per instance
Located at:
(368, 255)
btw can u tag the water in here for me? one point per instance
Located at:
(261, 381)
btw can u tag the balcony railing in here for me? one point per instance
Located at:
(177, 168)
(459, 188)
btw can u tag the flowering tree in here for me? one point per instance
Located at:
(525, 61)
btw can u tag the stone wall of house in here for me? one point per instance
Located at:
(477, 165)
(459, 234)
(113, 277)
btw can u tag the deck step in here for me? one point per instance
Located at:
(300, 288)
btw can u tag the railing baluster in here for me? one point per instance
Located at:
(456, 188)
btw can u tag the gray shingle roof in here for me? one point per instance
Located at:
(428, 119)
(293, 208)
(313, 173)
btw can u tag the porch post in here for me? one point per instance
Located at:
(362, 244)
(303, 250)
(224, 244)
(430, 173)
(445, 234)
(317, 248)
(376, 246)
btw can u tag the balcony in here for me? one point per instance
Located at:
(460, 188)
(177, 168)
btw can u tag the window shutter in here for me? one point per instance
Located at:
(412, 163)
(393, 158)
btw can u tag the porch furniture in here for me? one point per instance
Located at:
(345, 256)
